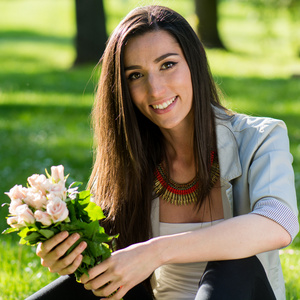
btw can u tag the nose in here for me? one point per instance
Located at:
(156, 86)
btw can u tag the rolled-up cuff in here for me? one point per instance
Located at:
(278, 212)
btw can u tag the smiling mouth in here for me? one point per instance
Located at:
(165, 104)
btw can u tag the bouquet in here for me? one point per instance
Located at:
(46, 207)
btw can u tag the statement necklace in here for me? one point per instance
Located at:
(182, 194)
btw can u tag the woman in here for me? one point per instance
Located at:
(183, 180)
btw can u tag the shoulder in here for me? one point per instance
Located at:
(250, 129)
(255, 132)
(242, 122)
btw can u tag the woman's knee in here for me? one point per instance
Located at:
(235, 279)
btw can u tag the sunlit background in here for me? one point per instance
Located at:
(45, 101)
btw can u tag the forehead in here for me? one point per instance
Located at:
(149, 46)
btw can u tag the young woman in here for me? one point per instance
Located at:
(202, 198)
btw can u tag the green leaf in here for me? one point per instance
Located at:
(48, 175)
(84, 195)
(72, 212)
(23, 232)
(9, 230)
(47, 233)
(88, 260)
(75, 226)
(94, 211)
(75, 184)
(33, 237)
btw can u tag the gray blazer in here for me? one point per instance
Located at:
(256, 177)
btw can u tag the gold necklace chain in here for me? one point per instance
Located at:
(177, 193)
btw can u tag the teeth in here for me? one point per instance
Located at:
(165, 104)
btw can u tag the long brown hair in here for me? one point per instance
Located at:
(128, 145)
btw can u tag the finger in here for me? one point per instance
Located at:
(97, 283)
(108, 290)
(60, 250)
(73, 267)
(117, 295)
(94, 272)
(45, 247)
(69, 259)
(67, 263)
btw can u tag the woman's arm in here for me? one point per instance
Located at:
(235, 238)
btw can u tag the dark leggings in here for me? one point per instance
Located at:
(241, 279)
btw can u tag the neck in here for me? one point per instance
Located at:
(179, 145)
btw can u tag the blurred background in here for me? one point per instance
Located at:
(48, 74)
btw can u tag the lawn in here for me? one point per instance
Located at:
(45, 103)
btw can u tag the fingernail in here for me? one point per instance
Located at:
(82, 281)
(65, 234)
(75, 236)
(83, 245)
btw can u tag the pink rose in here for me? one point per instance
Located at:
(57, 173)
(39, 182)
(35, 199)
(13, 205)
(13, 222)
(43, 217)
(57, 190)
(57, 209)
(16, 192)
(25, 215)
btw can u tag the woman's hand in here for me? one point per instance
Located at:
(122, 271)
(52, 251)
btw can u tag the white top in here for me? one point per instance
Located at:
(179, 281)
(256, 176)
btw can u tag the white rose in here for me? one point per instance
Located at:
(57, 190)
(17, 192)
(39, 182)
(13, 222)
(35, 199)
(25, 215)
(13, 205)
(57, 173)
(57, 209)
(43, 217)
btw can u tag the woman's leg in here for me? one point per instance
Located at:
(241, 279)
(139, 292)
(63, 288)
(67, 288)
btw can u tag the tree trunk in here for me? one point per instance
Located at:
(91, 31)
(207, 13)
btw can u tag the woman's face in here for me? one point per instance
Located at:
(159, 79)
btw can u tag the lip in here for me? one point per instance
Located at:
(164, 110)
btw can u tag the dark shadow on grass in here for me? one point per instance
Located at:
(35, 137)
(75, 81)
(32, 36)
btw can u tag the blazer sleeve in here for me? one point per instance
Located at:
(271, 178)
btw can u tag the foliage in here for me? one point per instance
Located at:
(82, 217)
(268, 12)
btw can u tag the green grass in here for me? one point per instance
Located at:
(45, 104)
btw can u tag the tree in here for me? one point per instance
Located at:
(91, 31)
(207, 12)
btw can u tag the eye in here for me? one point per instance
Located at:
(168, 65)
(134, 76)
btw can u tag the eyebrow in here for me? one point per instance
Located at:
(157, 60)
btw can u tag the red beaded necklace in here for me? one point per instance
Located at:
(182, 194)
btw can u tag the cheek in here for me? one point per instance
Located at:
(187, 82)
(136, 95)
